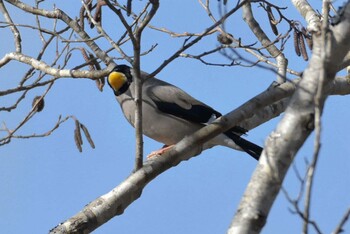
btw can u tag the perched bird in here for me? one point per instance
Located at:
(169, 114)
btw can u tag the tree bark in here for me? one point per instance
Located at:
(292, 131)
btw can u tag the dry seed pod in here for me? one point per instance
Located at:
(39, 102)
(303, 31)
(98, 13)
(94, 62)
(87, 59)
(77, 132)
(83, 52)
(76, 140)
(302, 47)
(274, 28)
(100, 83)
(225, 38)
(88, 137)
(82, 17)
(309, 42)
(272, 20)
(82, 14)
(128, 8)
(296, 42)
(308, 37)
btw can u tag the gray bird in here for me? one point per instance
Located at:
(170, 114)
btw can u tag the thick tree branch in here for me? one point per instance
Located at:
(115, 202)
(309, 14)
(59, 14)
(296, 125)
(42, 66)
(282, 62)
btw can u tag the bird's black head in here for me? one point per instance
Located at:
(119, 79)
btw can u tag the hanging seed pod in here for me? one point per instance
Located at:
(87, 135)
(272, 20)
(302, 47)
(82, 17)
(77, 136)
(77, 132)
(94, 65)
(128, 8)
(77, 140)
(87, 59)
(100, 83)
(98, 13)
(304, 32)
(94, 62)
(225, 38)
(296, 42)
(39, 103)
(82, 14)
(309, 41)
(308, 37)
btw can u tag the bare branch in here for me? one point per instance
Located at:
(194, 41)
(16, 34)
(318, 109)
(296, 125)
(105, 35)
(42, 66)
(339, 228)
(59, 14)
(131, 188)
(265, 41)
(310, 15)
(31, 113)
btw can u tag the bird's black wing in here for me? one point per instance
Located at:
(197, 113)
(174, 101)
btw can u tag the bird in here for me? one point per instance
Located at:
(169, 113)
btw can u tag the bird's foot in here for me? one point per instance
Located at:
(159, 152)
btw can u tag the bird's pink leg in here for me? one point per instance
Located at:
(159, 152)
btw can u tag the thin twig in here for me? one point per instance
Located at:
(194, 41)
(318, 127)
(15, 31)
(138, 85)
(31, 113)
(339, 228)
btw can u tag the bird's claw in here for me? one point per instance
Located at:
(159, 152)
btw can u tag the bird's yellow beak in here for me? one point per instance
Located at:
(116, 80)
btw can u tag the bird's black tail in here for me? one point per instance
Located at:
(249, 147)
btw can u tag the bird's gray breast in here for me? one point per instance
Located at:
(157, 125)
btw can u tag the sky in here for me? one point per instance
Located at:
(44, 181)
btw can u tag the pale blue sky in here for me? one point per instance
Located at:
(44, 181)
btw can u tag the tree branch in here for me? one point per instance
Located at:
(116, 201)
(42, 66)
(318, 109)
(339, 228)
(296, 125)
(310, 15)
(16, 34)
(59, 14)
(266, 42)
